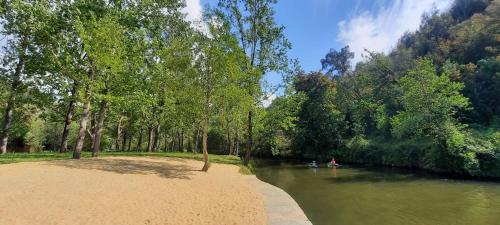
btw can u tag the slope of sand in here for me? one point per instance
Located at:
(127, 190)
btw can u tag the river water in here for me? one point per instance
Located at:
(354, 195)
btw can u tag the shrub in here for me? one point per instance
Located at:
(35, 136)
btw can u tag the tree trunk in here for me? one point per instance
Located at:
(83, 121)
(179, 148)
(182, 140)
(9, 110)
(197, 141)
(194, 142)
(139, 142)
(237, 142)
(150, 138)
(205, 145)
(99, 127)
(82, 131)
(124, 141)
(166, 143)
(249, 141)
(173, 142)
(229, 143)
(156, 145)
(68, 120)
(129, 141)
(93, 125)
(119, 134)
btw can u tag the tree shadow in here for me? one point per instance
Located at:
(130, 166)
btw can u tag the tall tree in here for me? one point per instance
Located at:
(217, 62)
(339, 61)
(105, 47)
(262, 40)
(23, 24)
(320, 123)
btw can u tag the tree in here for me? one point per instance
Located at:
(337, 61)
(464, 9)
(320, 123)
(105, 31)
(429, 103)
(23, 22)
(367, 96)
(482, 85)
(108, 53)
(280, 124)
(217, 62)
(262, 40)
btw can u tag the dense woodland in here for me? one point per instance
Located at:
(433, 102)
(134, 75)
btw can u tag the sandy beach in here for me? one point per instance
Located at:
(127, 190)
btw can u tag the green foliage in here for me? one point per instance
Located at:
(320, 123)
(358, 142)
(35, 137)
(380, 151)
(482, 84)
(338, 61)
(429, 103)
(280, 124)
(158, 82)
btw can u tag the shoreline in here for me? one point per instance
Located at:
(377, 167)
(280, 207)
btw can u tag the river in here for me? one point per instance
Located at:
(356, 195)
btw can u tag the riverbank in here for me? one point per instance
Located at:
(281, 208)
(127, 190)
(479, 163)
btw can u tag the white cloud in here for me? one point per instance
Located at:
(193, 10)
(380, 32)
(268, 99)
(194, 14)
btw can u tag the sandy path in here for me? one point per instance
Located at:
(127, 190)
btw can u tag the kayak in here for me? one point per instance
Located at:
(312, 165)
(330, 165)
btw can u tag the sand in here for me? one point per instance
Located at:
(127, 190)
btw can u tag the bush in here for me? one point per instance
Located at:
(468, 156)
(358, 142)
(35, 137)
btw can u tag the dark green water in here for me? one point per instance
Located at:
(350, 196)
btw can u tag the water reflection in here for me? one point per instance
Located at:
(362, 196)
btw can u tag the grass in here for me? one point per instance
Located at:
(47, 156)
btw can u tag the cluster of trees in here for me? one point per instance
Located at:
(134, 75)
(433, 102)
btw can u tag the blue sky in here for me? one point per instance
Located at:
(315, 26)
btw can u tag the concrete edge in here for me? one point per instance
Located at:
(281, 208)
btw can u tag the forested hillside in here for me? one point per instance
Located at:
(433, 102)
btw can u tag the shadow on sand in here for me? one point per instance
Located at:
(130, 166)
